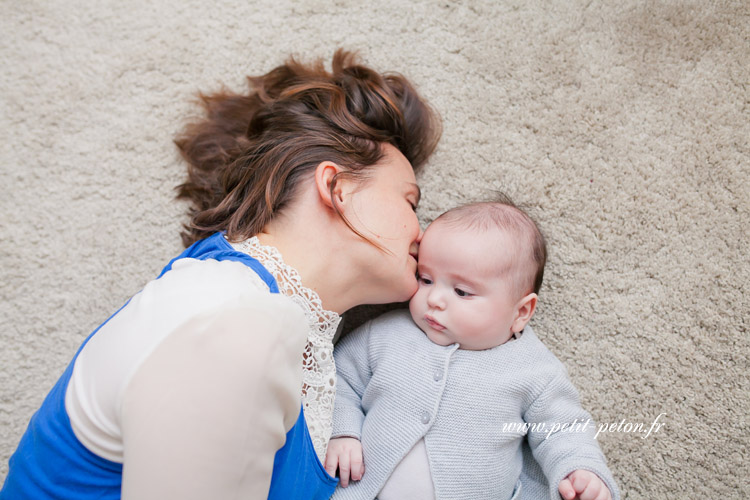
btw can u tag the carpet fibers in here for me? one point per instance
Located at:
(622, 126)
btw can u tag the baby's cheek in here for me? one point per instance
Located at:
(414, 307)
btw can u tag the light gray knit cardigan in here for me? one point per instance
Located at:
(395, 387)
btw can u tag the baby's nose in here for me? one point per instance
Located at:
(435, 298)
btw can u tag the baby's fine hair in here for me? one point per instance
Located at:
(503, 214)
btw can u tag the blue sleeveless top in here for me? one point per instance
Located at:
(50, 462)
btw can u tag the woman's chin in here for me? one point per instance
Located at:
(408, 290)
(395, 288)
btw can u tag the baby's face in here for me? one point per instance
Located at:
(466, 290)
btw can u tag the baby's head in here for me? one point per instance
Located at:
(480, 269)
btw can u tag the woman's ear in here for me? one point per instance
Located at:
(325, 173)
(524, 311)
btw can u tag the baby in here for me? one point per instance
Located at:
(460, 399)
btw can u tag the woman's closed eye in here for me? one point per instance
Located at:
(413, 196)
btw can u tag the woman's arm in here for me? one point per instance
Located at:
(205, 413)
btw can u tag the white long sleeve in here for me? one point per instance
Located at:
(206, 412)
(193, 384)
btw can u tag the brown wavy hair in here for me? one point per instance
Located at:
(248, 154)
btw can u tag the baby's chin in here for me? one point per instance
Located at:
(438, 338)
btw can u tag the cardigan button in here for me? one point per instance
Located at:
(438, 376)
(426, 417)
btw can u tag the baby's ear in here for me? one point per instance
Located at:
(524, 311)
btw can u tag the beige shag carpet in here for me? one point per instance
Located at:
(623, 126)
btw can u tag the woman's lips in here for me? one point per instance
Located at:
(433, 324)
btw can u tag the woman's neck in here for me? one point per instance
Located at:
(315, 256)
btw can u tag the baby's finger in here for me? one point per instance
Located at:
(331, 463)
(566, 489)
(604, 494)
(580, 479)
(592, 490)
(356, 465)
(344, 469)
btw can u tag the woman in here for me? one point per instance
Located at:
(216, 380)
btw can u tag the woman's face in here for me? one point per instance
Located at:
(383, 209)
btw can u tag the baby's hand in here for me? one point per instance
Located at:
(584, 485)
(346, 455)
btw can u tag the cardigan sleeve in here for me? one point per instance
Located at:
(562, 440)
(353, 373)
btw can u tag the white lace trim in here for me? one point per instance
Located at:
(318, 368)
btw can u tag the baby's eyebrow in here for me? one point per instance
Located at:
(468, 282)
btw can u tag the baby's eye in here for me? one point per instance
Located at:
(424, 280)
(461, 293)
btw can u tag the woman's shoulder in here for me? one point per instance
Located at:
(195, 287)
(193, 292)
(210, 275)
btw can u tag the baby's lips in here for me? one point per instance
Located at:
(434, 324)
